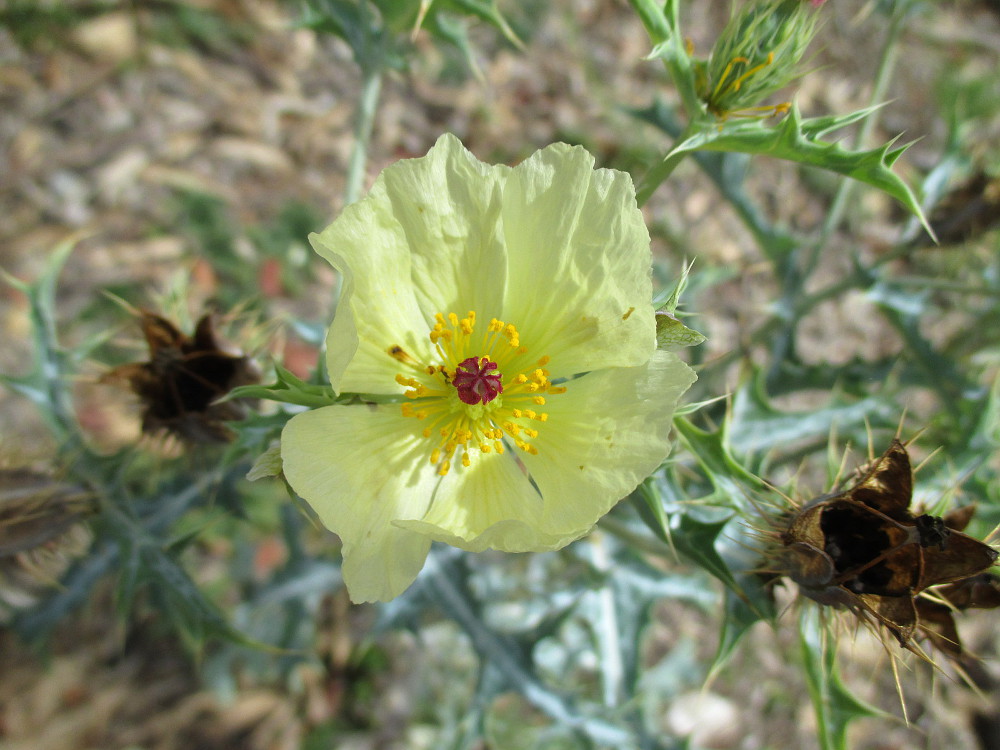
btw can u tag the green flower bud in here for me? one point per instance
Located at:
(757, 54)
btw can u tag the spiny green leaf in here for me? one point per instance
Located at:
(488, 11)
(671, 334)
(696, 540)
(797, 140)
(45, 384)
(757, 425)
(728, 172)
(740, 614)
(712, 451)
(287, 389)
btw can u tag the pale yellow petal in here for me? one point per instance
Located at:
(490, 504)
(425, 240)
(578, 286)
(608, 432)
(361, 468)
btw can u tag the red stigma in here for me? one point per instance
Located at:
(477, 380)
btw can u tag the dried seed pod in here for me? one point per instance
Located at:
(185, 376)
(40, 531)
(36, 509)
(864, 549)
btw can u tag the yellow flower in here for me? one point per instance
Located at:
(501, 319)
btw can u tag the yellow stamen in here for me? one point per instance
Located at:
(455, 427)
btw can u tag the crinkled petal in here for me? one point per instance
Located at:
(425, 240)
(488, 505)
(607, 433)
(578, 285)
(361, 468)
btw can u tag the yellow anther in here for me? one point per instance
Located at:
(455, 429)
(543, 417)
(554, 390)
(398, 353)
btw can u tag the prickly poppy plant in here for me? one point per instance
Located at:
(500, 320)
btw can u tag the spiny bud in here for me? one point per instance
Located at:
(757, 54)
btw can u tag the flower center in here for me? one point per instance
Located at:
(481, 391)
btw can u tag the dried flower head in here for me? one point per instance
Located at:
(864, 549)
(40, 531)
(180, 384)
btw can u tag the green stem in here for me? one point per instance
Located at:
(883, 77)
(371, 85)
(796, 276)
(660, 20)
(660, 172)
